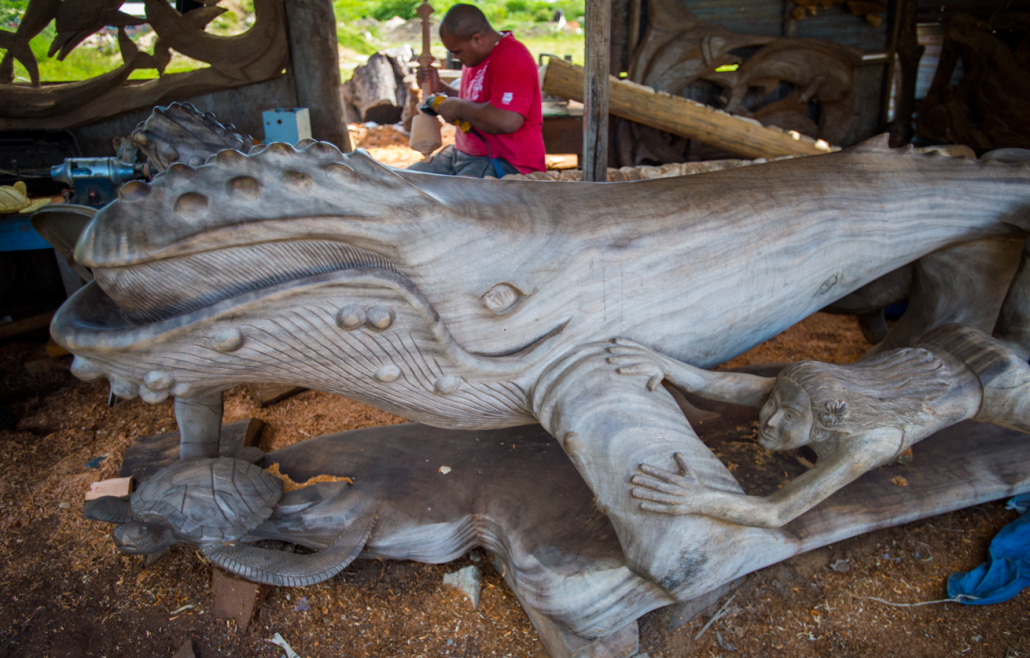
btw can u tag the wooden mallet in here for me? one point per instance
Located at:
(425, 129)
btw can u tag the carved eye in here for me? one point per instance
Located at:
(503, 298)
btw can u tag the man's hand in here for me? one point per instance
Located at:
(484, 117)
(436, 86)
(449, 109)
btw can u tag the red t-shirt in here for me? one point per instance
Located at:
(508, 79)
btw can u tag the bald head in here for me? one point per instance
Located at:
(463, 21)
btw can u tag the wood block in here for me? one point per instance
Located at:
(54, 350)
(149, 454)
(114, 487)
(236, 599)
(268, 394)
(186, 650)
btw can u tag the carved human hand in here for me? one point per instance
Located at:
(666, 492)
(633, 359)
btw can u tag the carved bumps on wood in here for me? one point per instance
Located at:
(252, 56)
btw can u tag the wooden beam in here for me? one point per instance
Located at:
(680, 116)
(595, 102)
(311, 28)
(25, 325)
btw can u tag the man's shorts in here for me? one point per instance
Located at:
(449, 161)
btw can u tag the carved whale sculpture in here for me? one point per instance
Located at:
(486, 304)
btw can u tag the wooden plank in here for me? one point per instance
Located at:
(25, 325)
(311, 27)
(682, 117)
(595, 100)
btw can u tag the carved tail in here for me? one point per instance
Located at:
(282, 569)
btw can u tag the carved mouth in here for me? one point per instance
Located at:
(159, 290)
(528, 347)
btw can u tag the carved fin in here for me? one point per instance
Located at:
(108, 509)
(283, 569)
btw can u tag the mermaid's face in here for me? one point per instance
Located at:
(785, 421)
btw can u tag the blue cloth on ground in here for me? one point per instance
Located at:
(1007, 570)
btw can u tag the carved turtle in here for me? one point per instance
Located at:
(197, 501)
(212, 503)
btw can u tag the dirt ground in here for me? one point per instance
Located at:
(66, 592)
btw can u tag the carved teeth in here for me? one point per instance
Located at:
(158, 380)
(380, 317)
(151, 396)
(350, 317)
(305, 143)
(447, 385)
(181, 171)
(182, 390)
(125, 390)
(388, 373)
(191, 204)
(134, 191)
(227, 340)
(86, 370)
(230, 157)
(280, 148)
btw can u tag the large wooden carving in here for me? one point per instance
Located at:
(258, 54)
(680, 49)
(478, 304)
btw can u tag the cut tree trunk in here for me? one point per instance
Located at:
(377, 90)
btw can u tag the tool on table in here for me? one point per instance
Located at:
(95, 181)
(425, 129)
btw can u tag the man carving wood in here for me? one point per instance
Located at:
(499, 100)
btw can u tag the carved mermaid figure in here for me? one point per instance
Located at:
(855, 417)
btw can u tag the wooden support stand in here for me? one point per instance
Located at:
(680, 116)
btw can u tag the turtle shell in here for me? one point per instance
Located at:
(208, 500)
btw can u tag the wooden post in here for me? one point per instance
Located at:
(425, 129)
(790, 25)
(311, 27)
(595, 101)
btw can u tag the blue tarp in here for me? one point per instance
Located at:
(1007, 570)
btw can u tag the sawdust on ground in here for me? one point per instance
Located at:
(66, 591)
(389, 145)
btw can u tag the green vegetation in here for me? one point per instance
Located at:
(359, 32)
(502, 13)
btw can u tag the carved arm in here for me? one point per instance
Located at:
(632, 359)
(667, 492)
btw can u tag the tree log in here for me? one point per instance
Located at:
(680, 116)
(311, 28)
(378, 89)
